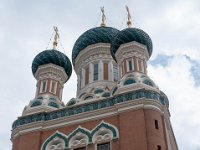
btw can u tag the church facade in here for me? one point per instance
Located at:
(117, 105)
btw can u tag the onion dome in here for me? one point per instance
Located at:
(54, 57)
(93, 36)
(131, 34)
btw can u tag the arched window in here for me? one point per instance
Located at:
(52, 104)
(129, 81)
(147, 82)
(88, 97)
(52, 98)
(98, 91)
(36, 103)
(106, 94)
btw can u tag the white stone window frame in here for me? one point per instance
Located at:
(55, 87)
(42, 86)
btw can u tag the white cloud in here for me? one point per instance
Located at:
(176, 81)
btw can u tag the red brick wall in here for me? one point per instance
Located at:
(136, 132)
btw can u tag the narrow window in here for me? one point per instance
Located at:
(105, 71)
(82, 148)
(43, 86)
(86, 75)
(95, 75)
(130, 67)
(156, 124)
(115, 73)
(158, 147)
(140, 65)
(104, 146)
(53, 87)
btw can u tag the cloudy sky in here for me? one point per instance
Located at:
(26, 28)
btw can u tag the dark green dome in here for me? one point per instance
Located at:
(93, 36)
(131, 34)
(54, 57)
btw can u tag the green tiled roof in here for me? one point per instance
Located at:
(93, 36)
(52, 56)
(128, 35)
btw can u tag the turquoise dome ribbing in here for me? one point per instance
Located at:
(54, 57)
(128, 35)
(93, 36)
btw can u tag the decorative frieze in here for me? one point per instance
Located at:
(94, 105)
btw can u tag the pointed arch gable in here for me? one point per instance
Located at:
(109, 127)
(81, 130)
(80, 137)
(58, 135)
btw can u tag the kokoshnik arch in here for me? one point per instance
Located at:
(117, 105)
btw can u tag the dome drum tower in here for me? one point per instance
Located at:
(51, 69)
(97, 72)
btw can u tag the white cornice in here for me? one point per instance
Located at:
(51, 71)
(92, 53)
(131, 49)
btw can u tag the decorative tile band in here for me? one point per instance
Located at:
(104, 103)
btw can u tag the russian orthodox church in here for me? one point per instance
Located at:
(117, 105)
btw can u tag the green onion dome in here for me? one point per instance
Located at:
(54, 57)
(93, 36)
(128, 35)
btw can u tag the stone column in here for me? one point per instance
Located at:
(91, 72)
(83, 78)
(110, 71)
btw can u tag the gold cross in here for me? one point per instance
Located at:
(103, 17)
(55, 43)
(129, 17)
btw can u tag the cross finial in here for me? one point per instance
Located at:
(55, 43)
(103, 17)
(129, 23)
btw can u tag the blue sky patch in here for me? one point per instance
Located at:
(161, 59)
